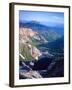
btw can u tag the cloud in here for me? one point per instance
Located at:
(55, 19)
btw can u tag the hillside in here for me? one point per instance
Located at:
(26, 45)
(41, 51)
(47, 32)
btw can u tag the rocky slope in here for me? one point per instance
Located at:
(40, 52)
(27, 49)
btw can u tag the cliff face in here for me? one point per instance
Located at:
(27, 49)
(27, 32)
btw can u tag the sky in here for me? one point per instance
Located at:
(46, 18)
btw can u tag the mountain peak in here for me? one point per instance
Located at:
(34, 22)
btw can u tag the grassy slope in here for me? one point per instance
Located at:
(25, 52)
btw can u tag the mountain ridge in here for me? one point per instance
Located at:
(43, 30)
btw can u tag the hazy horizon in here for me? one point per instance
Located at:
(50, 19)
(45, 18)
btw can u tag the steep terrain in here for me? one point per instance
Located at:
(41, 51)
(26, 46)
(46, 32)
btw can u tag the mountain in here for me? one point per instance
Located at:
(28, 50)
(47, 32)
(37, 40)
(26, 72)
(27, 32)
(41, 51)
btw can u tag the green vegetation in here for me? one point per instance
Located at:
(34, 42)
(25, 52)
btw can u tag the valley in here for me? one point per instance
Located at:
(41, 51)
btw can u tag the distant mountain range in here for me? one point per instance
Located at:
(48, 33)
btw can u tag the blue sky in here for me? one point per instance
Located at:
(46, 18)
